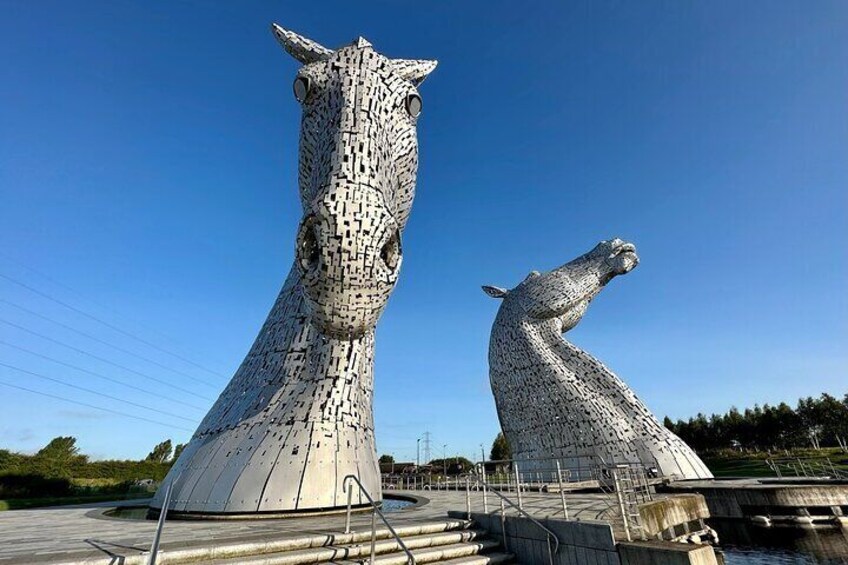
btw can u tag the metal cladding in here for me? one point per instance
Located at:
(555, 400)
(297, 417)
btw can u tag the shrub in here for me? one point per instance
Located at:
(33, 486)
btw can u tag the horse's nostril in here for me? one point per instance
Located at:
(390, 253)
(308, 253)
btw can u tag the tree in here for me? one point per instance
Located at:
(810, 416)
(59, 458)
(501, 450)
(62, 448)
(386, 459)
(734, 426)
(161, 453)
(9, 461)
(453, 465)
(833, 418)
(178, 449)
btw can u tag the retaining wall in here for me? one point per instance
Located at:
(584, 542)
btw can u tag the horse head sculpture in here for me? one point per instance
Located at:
(555, 400)
(358, 162)
(296, 419)
(563, 295)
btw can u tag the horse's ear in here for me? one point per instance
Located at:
(495, 291)
(304, 50)
(414, 70)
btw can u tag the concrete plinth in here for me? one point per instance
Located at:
(812, 500)
(665, 553)
(659, 515)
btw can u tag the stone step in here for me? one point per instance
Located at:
(237, 551)
(492, 558)
(434, 554)
(356, 552)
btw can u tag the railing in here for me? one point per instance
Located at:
(504, 501)
(626, 484)
(160, 524)
(541, 474)
(375, 511)
(810, 468)
(544, 475)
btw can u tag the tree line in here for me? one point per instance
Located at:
(813, 423)
(58, 468)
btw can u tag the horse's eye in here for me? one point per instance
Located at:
(413, 104)
(301, 88)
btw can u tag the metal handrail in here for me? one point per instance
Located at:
(375, 511)
(523, 513)
(160, 524)
(813, 467)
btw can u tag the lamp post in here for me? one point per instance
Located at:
(417, 454)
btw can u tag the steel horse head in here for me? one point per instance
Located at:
(358, 163)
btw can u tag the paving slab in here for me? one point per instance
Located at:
(69, 533)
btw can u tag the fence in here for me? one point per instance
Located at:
(820, 468)
(624, 486)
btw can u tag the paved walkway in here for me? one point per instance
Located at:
(57, 534)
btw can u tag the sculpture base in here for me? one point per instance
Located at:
(153, 514)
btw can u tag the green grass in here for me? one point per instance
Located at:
(22, 503)
(731, 464)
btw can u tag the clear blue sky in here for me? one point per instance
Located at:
(148, 162)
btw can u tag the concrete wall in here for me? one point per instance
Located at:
(584, 542)
(581, 543)
(666, 513)
(665, 553)
(728, 499)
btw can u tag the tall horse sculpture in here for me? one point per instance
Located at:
(297, 418)
(557, 401)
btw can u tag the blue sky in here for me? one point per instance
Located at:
(148, 168)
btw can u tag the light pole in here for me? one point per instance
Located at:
(483, 453)
(445, 459)
(417, 454)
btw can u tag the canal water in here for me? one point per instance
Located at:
(746, 544)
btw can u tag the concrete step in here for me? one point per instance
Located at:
(435, 554)
(358, 551)
(491, 558)
(238, 551)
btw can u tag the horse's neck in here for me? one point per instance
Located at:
(290, 355)
(520, 342)
(537, 350)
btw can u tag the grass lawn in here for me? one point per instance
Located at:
(754, 464)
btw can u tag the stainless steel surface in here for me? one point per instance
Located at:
(541, 381)
(297, 416)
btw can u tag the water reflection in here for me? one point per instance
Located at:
(745, 544)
